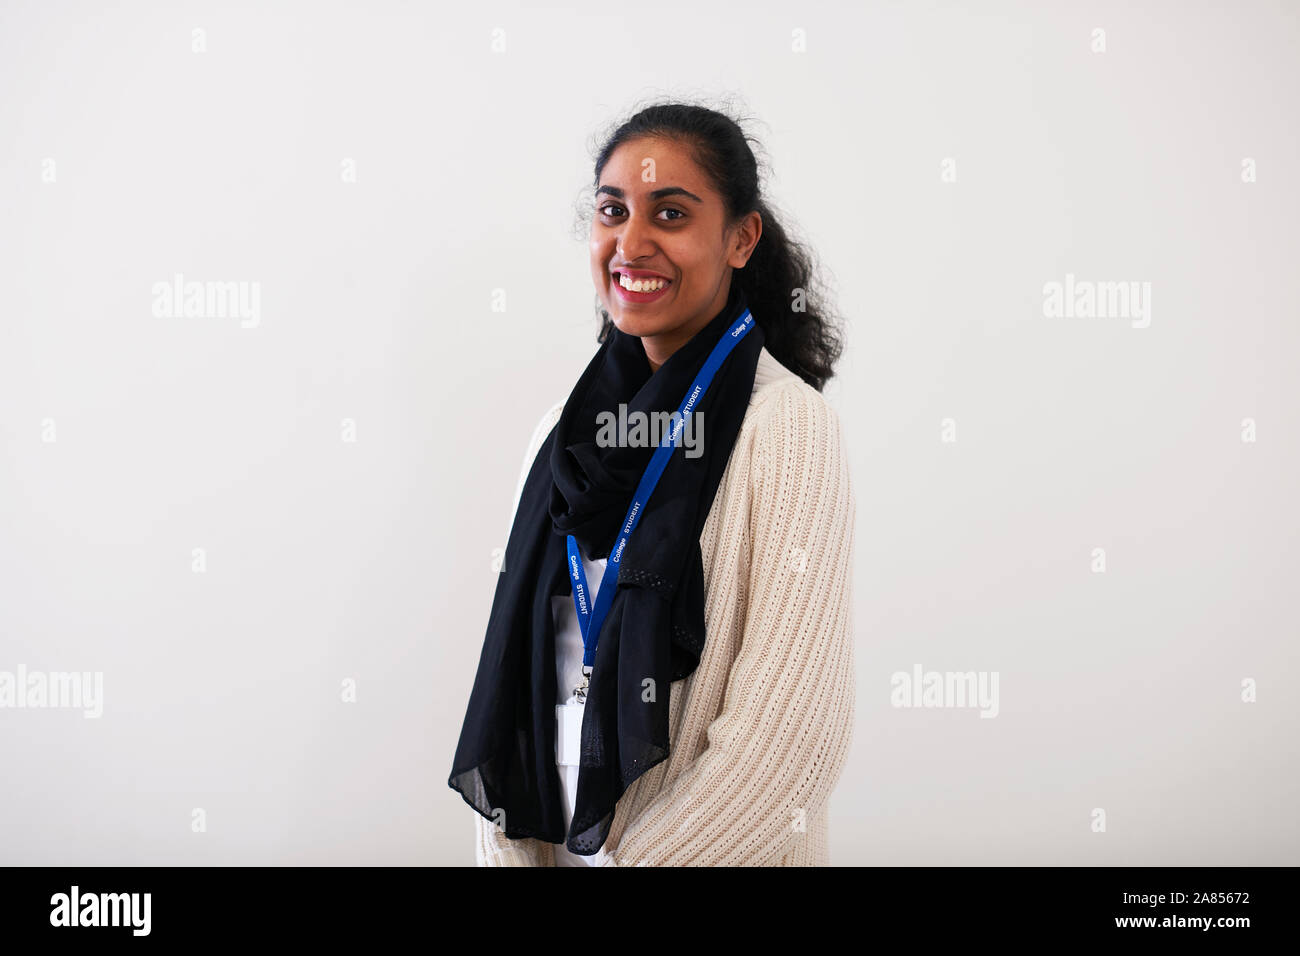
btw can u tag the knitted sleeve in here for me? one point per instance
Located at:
(777, 748)
(491, 846)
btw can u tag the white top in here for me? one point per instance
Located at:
(766, 720)
(568, 674)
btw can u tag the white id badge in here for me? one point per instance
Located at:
(568, 736)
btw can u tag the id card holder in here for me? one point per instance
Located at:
(568, 733)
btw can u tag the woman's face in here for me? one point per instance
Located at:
(658, 218)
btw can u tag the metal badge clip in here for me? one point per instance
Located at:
(580, 692)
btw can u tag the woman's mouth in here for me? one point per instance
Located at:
(640, 290)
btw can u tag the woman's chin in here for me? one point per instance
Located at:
(635, 325)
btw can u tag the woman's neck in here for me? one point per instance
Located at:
(659, 348)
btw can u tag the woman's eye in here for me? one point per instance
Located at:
(605, 210)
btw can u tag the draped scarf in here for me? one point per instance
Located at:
(579, 484)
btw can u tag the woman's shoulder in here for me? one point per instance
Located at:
(799, 464)
(547, 422)
(543, 428)
(783, 405)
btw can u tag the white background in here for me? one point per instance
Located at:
(371, 561)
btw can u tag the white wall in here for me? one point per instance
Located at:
(371, 560)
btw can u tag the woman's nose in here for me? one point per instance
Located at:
(634, 242)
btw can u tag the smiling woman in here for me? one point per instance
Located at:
(667, 675)
(677, 199)
(655, 255)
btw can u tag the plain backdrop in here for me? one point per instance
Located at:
(389, 174)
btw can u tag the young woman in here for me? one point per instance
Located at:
(667, 676)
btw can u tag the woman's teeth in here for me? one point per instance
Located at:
(641, 285)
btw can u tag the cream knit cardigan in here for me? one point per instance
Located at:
(760, 731)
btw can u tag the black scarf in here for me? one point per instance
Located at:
(505, 760)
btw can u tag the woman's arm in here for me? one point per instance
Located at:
(776, 750)
(491, 846)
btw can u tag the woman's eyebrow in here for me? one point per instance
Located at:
(657, 194)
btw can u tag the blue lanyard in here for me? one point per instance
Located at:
(590, 618)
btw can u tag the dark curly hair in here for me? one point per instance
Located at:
(779, 280)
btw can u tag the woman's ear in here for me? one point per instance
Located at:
(744, 239)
